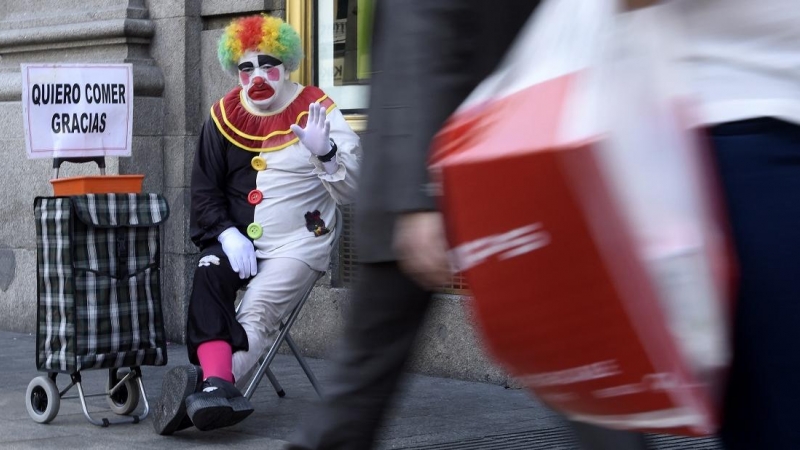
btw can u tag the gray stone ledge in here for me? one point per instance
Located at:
(448, 344)
(219, 22)
(27, 39)
(65, 48)
(69, 11)
(240, 7)
(170, 9)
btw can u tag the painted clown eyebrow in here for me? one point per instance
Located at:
(264, 60)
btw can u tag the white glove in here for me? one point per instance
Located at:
(240, 252)
(316, 135)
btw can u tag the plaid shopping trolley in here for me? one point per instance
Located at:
(99, 298)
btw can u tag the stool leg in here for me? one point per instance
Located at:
(303, 364)
(278, 389)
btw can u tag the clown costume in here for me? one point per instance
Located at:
(274, 160)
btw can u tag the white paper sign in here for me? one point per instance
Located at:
(77, 110)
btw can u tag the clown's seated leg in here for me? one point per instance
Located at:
(270, 297)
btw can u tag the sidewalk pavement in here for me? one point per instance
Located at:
(432, 413)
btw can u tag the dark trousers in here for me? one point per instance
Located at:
(382, 325)
(759, 163)
(212, 310)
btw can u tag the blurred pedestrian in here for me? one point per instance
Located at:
(743, 60)
(427, 57)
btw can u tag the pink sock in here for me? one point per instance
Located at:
(216, 359)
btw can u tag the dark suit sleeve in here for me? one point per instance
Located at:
(436, 77)
(209, 213)
(452, 45)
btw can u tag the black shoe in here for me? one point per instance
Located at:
(179, 383)
(218, 404)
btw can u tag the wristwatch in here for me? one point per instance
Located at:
(329, 156)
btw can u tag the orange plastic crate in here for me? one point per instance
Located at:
(97, 184)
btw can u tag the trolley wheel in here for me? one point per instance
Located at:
(126, 399)
(42, 399)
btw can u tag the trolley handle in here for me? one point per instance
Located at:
(99, 160)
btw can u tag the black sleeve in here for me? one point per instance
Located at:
(209, 210)
(426, 70)
(452, 46)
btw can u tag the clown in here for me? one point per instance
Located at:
(274, 159)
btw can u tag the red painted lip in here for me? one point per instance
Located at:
(262, 92)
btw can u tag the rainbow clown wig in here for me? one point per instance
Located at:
(261, 33)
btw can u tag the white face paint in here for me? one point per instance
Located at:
(264, 81)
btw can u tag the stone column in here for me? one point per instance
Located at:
(176, 50)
